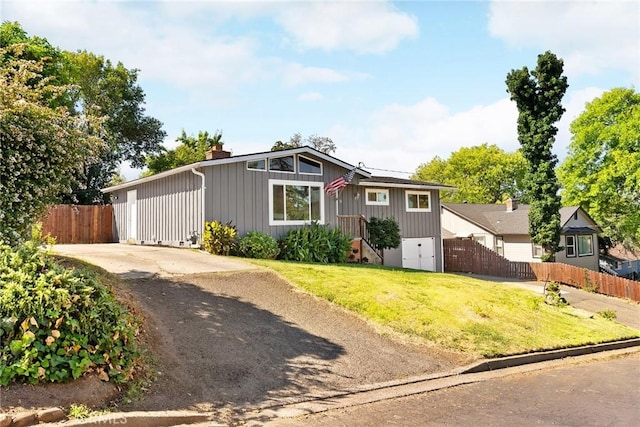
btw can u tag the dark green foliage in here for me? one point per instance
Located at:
(191, 150)
(538, 95)
(315, 243)
(57, 324)
(219, 239)
(258, 245)
(384, 233)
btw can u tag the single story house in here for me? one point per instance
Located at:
(623, 262)
(505, 230)
(272, 192)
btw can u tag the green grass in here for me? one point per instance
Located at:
(475, 317)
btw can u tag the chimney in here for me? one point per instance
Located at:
(512, 205)
(216, 152)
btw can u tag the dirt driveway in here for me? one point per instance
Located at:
(234, 341)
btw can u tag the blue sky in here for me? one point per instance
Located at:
(392, 83)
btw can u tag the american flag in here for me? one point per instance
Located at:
(339, 182)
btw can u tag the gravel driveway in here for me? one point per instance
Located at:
(248, 340)
(234, 341)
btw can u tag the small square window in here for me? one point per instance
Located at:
(537, 251)
(257, 165)
(376, 196)
(418, 201)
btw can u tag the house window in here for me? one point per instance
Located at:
(257, 165)
(282, 164)
(418, 201)
(585, 245)
(295, 202)
(480, 239)
(570, 243)
(307, 166)
(377, 196)
(499, 248)
(537, 251)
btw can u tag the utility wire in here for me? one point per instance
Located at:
(363, 166)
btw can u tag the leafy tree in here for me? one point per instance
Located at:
(602, 170)
(191, 150)
(481, 174)
(384, 233)
(320, 143)
(99, 87)
(538, 95)
(42, 146)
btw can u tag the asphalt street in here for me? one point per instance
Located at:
(597, 393)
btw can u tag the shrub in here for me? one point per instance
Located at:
(258, 245)
(608, 314)
(57, 324)
(219, 239)
(315, 243)
(384, 233)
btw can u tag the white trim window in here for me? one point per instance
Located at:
(570, 246)
(537, 250)
(257, 165)
(377, 196)
(295, 202)
(499, 245)
(308, 166)
(285, 164)
(418, 201)
(585, 244)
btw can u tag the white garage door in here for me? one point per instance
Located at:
(419, 253)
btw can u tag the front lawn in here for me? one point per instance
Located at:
(476, 317)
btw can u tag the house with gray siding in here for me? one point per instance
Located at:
(273, 192)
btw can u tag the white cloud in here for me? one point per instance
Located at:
(295, 74)
(589, 36)
(310, 96)
(363, 27)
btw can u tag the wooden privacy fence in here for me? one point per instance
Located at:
(589, 280)
(468, 256)
(79, 224)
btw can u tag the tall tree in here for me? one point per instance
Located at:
(538, 95)
(99, 87)
(481, 174)
(191, 150)
(320, 143)
(41, 146)
(602, 170)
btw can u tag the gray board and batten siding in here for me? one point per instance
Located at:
(168, 206)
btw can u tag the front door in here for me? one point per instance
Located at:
(419, 253)
(132, 215)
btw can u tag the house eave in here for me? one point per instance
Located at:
(379, 184)
(144, 180)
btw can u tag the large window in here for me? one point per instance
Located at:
(377, 196)
(295, 202)
(307, 166)
(585, 245)
(570, 246)
(282, 164)
(418, 201)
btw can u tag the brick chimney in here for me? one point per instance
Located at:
(512, 205)
(217, 152)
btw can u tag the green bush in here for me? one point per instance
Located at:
(315, 243)
(258, 245)
(219, 239)
(57, 324)
(384, 233)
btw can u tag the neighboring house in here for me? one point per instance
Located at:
(505, 229)
(273, 192)
(623, 262)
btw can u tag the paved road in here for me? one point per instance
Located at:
(600, 393)
(141, 262)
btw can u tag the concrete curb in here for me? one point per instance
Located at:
(481, 371)
(141, 419)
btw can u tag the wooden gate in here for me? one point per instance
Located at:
(79, 223)
(469, 256)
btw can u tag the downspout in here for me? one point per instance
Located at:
(201, 175)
